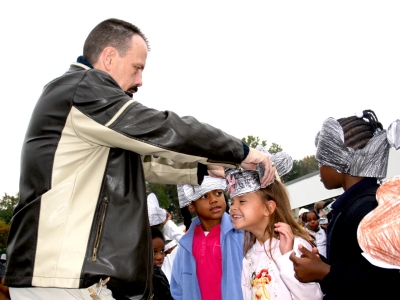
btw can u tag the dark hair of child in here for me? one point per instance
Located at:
(358, 131)
(277, 192)
(304, 216)
(156, 233)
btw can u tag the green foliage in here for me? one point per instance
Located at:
(254, 141)
(167, 196)
(7, 204)
(274, 148)
(301, 167)
(4, 230)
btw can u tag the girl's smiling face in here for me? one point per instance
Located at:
(248, 212)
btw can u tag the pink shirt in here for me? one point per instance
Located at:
(207, 252)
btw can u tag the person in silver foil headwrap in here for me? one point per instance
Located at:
(271, 234)
(353, 154)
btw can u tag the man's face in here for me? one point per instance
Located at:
(127, 70)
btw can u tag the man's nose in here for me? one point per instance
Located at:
(138, 79)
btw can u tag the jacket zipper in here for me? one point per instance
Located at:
(102, 217)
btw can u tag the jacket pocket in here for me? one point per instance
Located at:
(99, 230)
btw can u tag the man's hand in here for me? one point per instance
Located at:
(216, 171)
(309, 267)
(256, 157)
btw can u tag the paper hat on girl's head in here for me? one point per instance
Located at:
(194, 192)
(303, 210)
(157, 215)
(246, 181)
(379, 231)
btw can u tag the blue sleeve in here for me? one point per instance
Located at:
(175, 284)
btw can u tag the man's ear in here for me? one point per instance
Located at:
(106, 58)
(270, 207)
(191, 208)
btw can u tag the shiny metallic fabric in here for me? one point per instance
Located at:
(371, 161)
(246, 181)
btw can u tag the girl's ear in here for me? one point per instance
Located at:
(270, 207)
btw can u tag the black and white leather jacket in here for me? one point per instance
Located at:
(87, 153)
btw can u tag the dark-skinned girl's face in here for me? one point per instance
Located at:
(312, 221)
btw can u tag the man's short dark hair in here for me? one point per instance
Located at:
(112, 32)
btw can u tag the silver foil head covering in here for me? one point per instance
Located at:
(393, 134)
(194, 192)
(370, 161)
(157, 215)
(247, 181)
(183, 201)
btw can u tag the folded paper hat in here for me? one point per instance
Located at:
(3, 256)
(194, 192)
(246, 181)
(157, 215)
(378, 232)
(183, 201)
(169, 245)
(302, 210)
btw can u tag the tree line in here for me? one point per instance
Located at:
(166, 194)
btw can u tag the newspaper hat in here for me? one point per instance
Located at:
(157, 215)
(170, 244)
(370, 161)
(303, 210)
(378, 232)
(194, 192)
(183, 201)
(247, 181)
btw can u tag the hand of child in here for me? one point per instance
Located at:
(167, 218)
(309, 267)
(256, 157)
(286, 237)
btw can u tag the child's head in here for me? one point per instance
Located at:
(259, 211)
(311, 219)
(207, 200)
(356, 145)
(302, 211)
(256, 210)
(158, 241)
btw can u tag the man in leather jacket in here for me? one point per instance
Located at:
(82, 218)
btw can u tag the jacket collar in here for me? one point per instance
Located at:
(81, 59)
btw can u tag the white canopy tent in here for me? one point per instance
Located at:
(309, 189)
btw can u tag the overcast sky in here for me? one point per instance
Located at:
(273, 69)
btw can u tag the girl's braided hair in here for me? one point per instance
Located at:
(358, 131)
